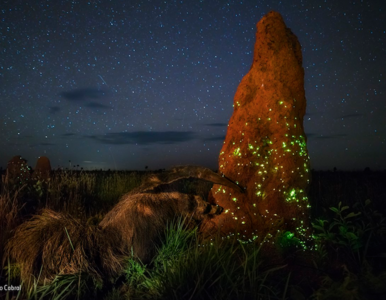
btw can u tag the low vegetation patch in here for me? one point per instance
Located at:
(57, 221)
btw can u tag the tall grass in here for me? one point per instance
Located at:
(92, 191)
(187, 268)
(10, 206)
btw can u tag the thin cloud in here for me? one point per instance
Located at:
(97, 105)
(311, 135)
(217, 124)
(145, 137)
(308, 114)
(215, 138)
(332, 136)
(351, 116)
(39, 145)
(47, 144)
(54, 109)
(78, 95)
(324, 137)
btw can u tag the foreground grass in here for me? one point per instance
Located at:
(350, 262)
(186, 269)
(183, 268)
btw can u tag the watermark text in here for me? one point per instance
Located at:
(7, 288)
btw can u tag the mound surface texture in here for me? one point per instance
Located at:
(265, 145)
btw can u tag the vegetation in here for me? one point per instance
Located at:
(349, 262)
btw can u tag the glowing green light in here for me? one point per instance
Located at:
(289, 235)
(237, 152)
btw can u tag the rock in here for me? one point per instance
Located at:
(265, 146)
(43, 168)
(18, 171)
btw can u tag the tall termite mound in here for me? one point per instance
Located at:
(18, 172)
(265, 146)
(43, 168)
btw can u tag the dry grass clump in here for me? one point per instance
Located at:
(53, 243)
(9, 212)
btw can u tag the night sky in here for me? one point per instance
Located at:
(129, 84)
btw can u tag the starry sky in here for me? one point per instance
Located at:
(127, 84)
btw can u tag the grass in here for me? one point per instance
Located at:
(348, 215)
(10, 207)
(72, 190)
(185, 268)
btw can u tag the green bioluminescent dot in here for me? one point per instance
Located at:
(289, 235)
(237, 152)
